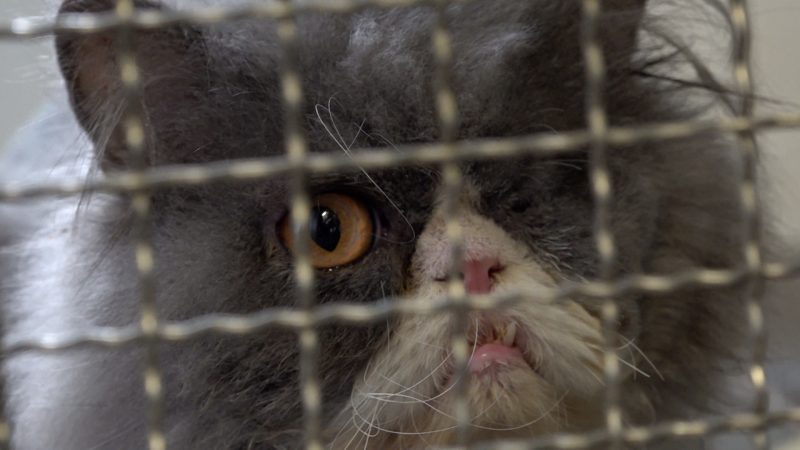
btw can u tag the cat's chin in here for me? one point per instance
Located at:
(506, 401)
(511, 394)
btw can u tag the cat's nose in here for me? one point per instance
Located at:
(479, 274)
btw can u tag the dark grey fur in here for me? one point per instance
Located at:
(212, 94)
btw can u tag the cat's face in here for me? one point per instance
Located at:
(527, 221)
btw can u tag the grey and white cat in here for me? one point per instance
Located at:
(212, 93)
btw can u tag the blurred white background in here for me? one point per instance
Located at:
(28, 78)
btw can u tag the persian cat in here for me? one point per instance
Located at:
(212, 93)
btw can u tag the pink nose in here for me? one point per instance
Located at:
(479, 274)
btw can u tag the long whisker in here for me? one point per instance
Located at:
(324, 124)
(414, 400)
(371, 424)
(527, 424)
(633, 366)
(388, 338)
(349, 154)
(447, 357)
(644, 356)
(358, 132)
(524, 425)
(333, 124)
(411, 433)
(347, 445)
(624, 361)
(411, 388)
(427, 170)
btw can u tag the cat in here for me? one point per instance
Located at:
(212, 93)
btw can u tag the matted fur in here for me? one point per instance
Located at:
(212, 93)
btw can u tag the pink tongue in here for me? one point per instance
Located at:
(490, 354)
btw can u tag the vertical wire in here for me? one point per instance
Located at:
(452, 184)
(5, 425)
(296, 151)
(135, 144)
(600, 179)
(447, 114)
(752, 245)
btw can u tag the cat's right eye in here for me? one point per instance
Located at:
(341, 229)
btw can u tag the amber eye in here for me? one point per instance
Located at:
(341, 229)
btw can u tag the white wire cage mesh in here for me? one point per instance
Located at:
(298, 163)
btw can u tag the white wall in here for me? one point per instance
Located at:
(25, 70)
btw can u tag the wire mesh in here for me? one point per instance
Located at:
(140, 181)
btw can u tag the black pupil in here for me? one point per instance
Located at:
(325, 228)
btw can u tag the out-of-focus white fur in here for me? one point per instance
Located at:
(50, 296)
(404, 398)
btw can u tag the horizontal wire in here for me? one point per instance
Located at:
(87, 23)
(291, 318)
(371, 158)
(672, 430)
(434, 153)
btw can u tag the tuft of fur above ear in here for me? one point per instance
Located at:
(172, 65)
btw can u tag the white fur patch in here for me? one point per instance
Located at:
(404, 398)
(71, 399)
(365, 32)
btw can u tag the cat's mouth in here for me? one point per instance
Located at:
(498, 345)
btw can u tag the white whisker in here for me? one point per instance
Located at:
(524, 425)
(346, 150)
(644, 356)
(358, 132)
(632, 366)
(333, 124)
(433, 372)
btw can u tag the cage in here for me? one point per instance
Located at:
(139, 180)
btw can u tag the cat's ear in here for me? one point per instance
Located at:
(171, 67)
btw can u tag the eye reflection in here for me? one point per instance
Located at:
(341, 230)
(325, 228)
